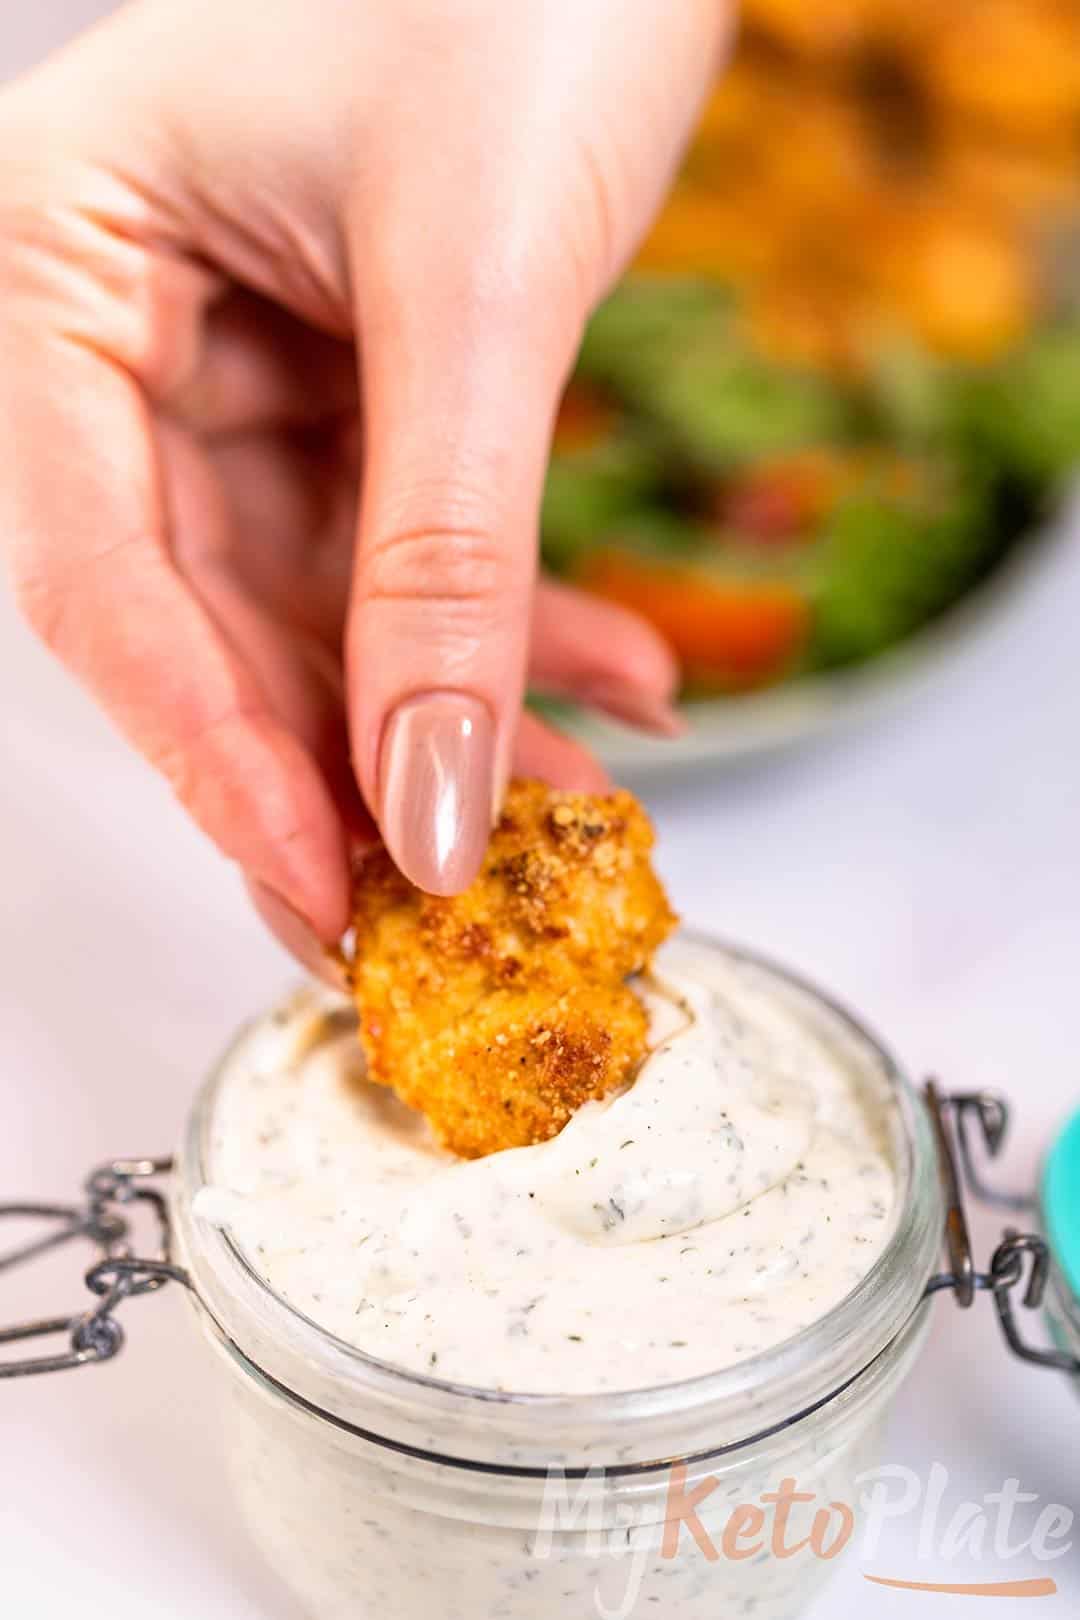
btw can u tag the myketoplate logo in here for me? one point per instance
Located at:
(1008, 1534)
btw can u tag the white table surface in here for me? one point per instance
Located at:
(926, 870)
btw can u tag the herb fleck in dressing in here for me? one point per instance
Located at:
(730, 1197)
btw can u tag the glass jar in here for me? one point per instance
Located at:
(372, 1490)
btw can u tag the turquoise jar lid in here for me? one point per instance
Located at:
(1061, 1202)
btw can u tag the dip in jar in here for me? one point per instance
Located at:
(731, 1196)
(723, 1263)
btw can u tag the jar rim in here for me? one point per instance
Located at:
(328, 1373)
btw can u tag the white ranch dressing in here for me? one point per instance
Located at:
(731, 1196)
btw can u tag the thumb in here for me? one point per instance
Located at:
(462, 373)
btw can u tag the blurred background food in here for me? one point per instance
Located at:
(843, 378)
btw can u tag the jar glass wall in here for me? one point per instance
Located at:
(375, 1490)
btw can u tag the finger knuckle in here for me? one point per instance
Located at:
(515, 279)
(443, 561)
(32, 212)
(77, 264)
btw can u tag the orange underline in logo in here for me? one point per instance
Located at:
(1040, 1586)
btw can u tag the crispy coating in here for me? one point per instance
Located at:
(515, 1069)
(498, 1012)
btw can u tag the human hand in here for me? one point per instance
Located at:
(288, 298)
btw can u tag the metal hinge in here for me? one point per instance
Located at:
(113, 1195)
(951, 1115)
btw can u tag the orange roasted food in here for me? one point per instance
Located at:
(869, 168)
(727, 633)
(498, 1012)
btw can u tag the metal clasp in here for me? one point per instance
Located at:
(951, 1114)
(114, 1192)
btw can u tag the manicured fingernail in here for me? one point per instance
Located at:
(296, 934)
(436, 789)
(635, 707)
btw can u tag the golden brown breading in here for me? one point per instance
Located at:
(499, 1011)
(514, 1070)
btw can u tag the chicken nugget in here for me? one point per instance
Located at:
(537, 951)
(516, 1069)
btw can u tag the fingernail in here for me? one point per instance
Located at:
(296, 934)
(436, 789)
(636, 708)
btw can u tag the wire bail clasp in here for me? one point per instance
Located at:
(951, 1116)
(114, 1192)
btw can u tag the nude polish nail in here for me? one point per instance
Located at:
(436, 788)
